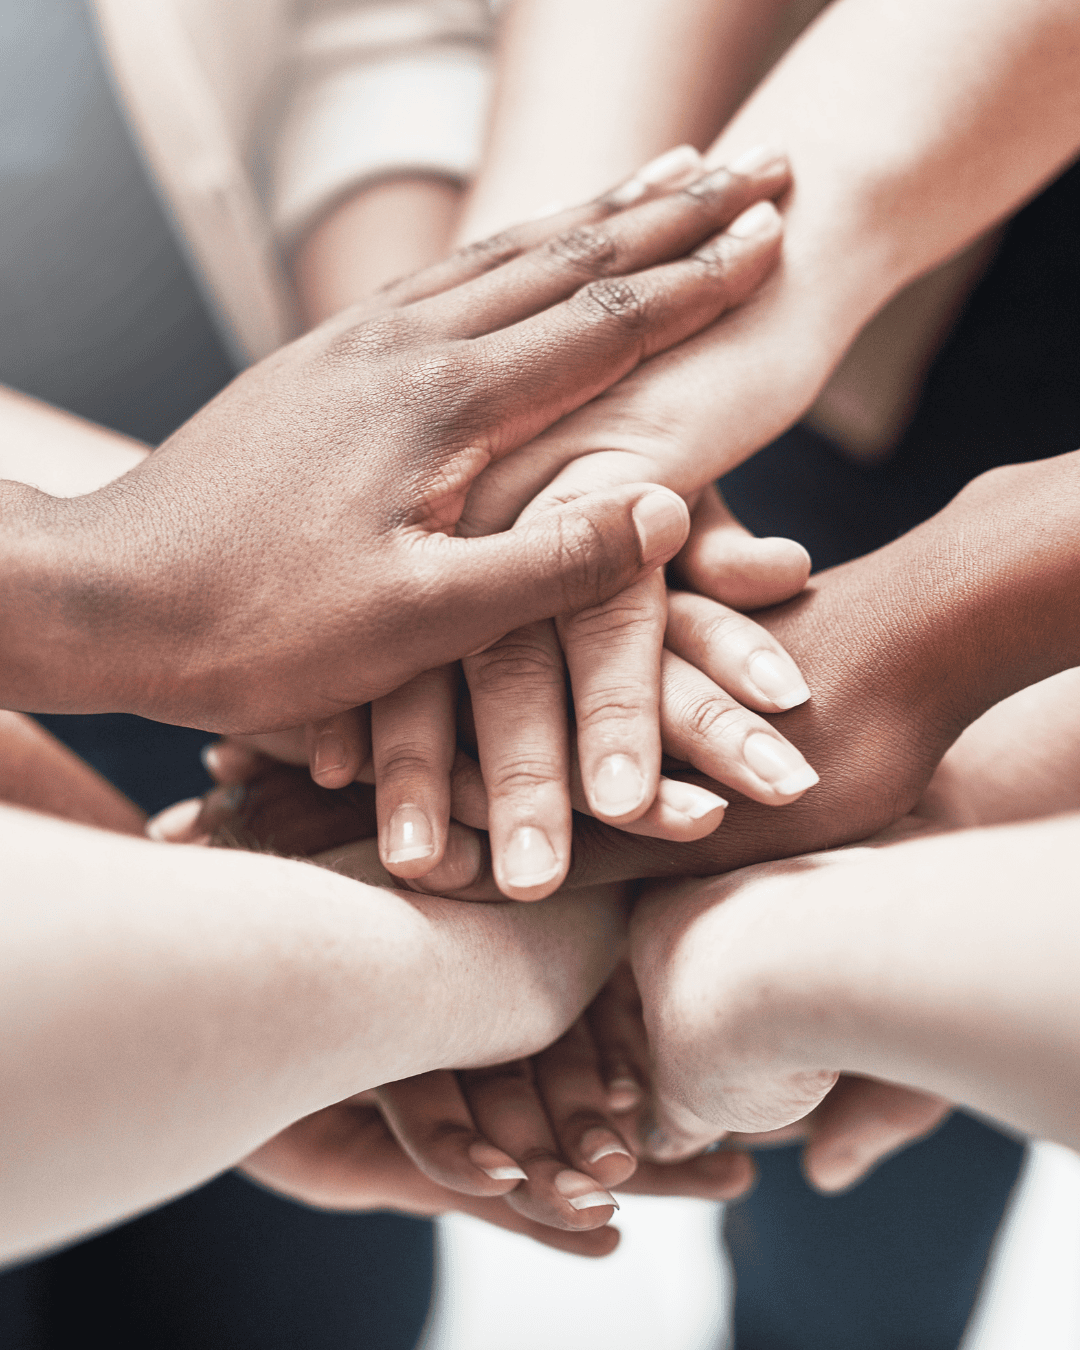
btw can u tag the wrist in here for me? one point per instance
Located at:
(58, 627)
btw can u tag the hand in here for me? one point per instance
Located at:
(555, 1135)
(345, 1158)
(353, 450)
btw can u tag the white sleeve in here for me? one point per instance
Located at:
(376, 88)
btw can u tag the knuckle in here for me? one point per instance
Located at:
(406, 763)
(625, 615)
(711, 717)
(517, 666)
(615, 299)
(617, 706)
(713, 262)
(371, 339)
(486, 254)
(522, 777)
(588, 248)
(718, 631)
(590, 568)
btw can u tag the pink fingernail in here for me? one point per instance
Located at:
(581, 1192)
(761, 219)
(778, 680)
(496, 1164)
(175, 822)
(688, 799)
(672, 169)
(778, 763)
(409, 836)
(750, 161)
(618, 787)
(529, 859)
(662, 523)
(599, 1143)
(330, 754)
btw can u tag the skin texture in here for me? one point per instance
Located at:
(410, 404)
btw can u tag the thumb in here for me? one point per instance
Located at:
(566, 559)
(724, 561)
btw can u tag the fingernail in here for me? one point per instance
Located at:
(778, 763)
(211, 760)
(599, 1143)
(496, 1164)
(623, 1093)
(409, 835)
(837, 1171)
(330, 754)
(670, 170)
(175, 821)
(619, 786)
(529, 859)
(761, 219)
(581, 1191)
(778, 680)
(662, 523)
(750, 161)
(688, 800)
(550, 209)
(226, 798)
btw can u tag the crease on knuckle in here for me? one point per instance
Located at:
(371, 339)
(522, 777)
(516, 667)
(587, 248)
(406, 762)
(486, 254)
(618, 705)
(713, 261)
(615, 299)
(711, 717)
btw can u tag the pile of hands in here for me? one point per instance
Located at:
(585, 749)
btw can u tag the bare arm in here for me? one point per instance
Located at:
(947, 964)
(167, 1009)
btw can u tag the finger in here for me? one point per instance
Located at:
(338, 746)
(230, 762)
(413, 737)
(670, 1133)
(862, 1122)
(613, 656)
(570, 1081)
(724, 1174)
(180, 823)
(723, 560)
(654, 232)
(347, 1159)
(470, 592)
(735, 652)
(518, 691)
(468, 796)
(432, 1122)
(541, 369)
(621, 1044)
(284, 812)
(466, 860)
(675, 168)
(705, 727)
(509, 1114)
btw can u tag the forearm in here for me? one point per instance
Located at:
(946, 964)
(172, 1008)
(586, 94)
(384, 231)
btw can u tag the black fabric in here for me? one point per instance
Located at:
(229, 1267)
(893, 1264)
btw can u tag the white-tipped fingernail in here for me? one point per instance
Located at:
(778, 680)
(623, 1093)
(750, 161)
(529, 859)
(689, 800)
(778, 763)
(409, 836)
(592, 1201)
(493, 1162)
(761, 219)
(550, 209)
(619, 786)
(331, 754)
(597, 1144)
(175, 821)
(581, 1192)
